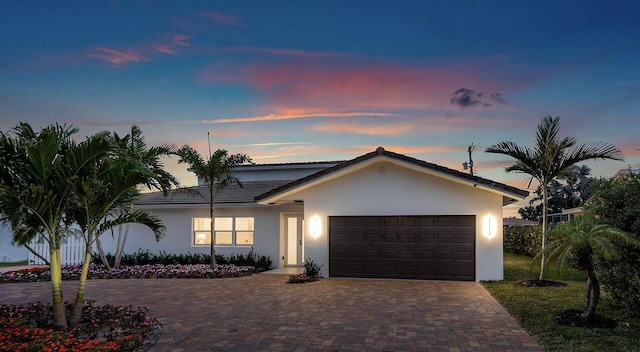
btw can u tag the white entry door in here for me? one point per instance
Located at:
(294, 234)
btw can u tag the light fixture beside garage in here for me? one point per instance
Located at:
(315, 226)
(489, 226)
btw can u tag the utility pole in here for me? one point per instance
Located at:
(469, 165)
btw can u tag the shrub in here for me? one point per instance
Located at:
(617, 202)
(145, 257)
(524, 240)
(311, 269)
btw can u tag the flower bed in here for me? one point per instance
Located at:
(72, 272)
(102, 328)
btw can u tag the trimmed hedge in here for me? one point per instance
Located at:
(525, 240)
(145, 257)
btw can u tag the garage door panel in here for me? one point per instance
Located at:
(414, 247)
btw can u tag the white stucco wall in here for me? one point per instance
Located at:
(401, 191)
(178, 238)
(8, 251)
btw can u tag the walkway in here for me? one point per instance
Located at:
(262, 313)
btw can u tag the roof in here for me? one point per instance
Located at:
(199, 195)
(508, 191)
(310, 164)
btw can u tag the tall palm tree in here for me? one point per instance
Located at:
(577, 242)
(36, 170)
(101, 191)
(216, 172)
(133, 147)
(551, 157)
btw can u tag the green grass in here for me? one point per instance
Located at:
(534, 308)
(6, 264)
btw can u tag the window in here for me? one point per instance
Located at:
(227, 231)
(244, 231)
(223, 230)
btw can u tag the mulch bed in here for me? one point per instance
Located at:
(539, 283)
(572, 317)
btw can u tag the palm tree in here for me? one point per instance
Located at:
(216, 172)
(551, 157)
(133, 147)
(105, 187)
(36, 170)
(576, 243)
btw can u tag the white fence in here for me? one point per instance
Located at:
(71, 251)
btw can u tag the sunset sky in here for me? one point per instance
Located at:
(287, 81)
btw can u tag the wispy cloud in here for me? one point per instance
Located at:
(390, 129)
(182, 39)
(116, 57)
(275, 117)
(223, 19)
(165, 49)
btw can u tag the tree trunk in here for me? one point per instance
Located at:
(46, 262)
(121, 244)
(76, 314)
(59, 316)
(214, 265)
(103, 257)
(595, 295)
(587, 297)
(543, 262)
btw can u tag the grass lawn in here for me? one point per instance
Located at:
(534, 308)
(7, 264)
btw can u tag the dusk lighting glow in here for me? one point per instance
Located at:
(295, 82)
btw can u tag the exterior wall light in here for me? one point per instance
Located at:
(489, 226)
(315, 226)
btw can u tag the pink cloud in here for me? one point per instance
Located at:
(182, 39)
(115, 57)
(223, 19)
(165, 49)
(274, 117)
(310, 83)
(391, 129)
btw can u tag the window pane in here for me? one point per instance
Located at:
(244, 224)
(201, 224)
(224, 224)
(224, 237)
(244, 238)
(202, 237)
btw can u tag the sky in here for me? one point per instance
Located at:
(290, 81)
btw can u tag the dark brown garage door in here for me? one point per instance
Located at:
(404, 247)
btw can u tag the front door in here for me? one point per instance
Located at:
(294, 234)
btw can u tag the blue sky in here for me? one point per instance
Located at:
(291, 81)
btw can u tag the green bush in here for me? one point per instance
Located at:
(311, 269)
(525, 240)
(145, 257)
(617, 202)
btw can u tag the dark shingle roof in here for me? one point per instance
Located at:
(382, 152)
(199, 195)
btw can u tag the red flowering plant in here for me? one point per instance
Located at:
(103, 328)
(184, 271)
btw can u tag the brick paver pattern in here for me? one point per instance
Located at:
(263, 313)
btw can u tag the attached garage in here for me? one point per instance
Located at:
(403, 247)
(387, 215)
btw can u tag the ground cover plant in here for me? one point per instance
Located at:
(10, 264)
(102, 328)
(536, 307)
(156, 271)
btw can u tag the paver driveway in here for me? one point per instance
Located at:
(262, 313)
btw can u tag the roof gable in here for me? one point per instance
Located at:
(510, 194)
